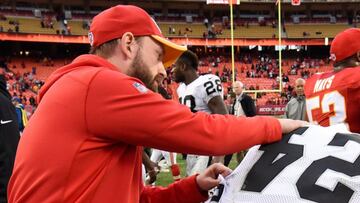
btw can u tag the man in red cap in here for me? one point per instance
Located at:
(333, 97)
(84, 142)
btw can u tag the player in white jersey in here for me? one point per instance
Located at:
(199, 93)
(311, 164)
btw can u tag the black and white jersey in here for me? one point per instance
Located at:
(198, 93)
(311, 164)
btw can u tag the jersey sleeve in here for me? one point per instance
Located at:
(118, 108)
(211, 87)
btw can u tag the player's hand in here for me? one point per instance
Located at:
(154, 166)
(209, 178)
(288, 125)
(152, 176)
(153, 170)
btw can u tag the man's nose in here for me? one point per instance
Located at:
(162, 71)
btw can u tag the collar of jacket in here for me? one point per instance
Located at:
(240, 97)
(300, 98)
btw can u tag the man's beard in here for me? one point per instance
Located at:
(142, 72)
(178, 77)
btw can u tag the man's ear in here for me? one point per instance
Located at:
(128, 44)
(182, 67)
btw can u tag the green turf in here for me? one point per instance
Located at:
(165, 178)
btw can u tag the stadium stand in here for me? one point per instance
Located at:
(251, 22)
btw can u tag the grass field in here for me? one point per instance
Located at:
(165, 178)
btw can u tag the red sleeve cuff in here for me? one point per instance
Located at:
(196, 193)
(274, 125)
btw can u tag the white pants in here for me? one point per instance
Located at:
(195, 164)
(157, 154)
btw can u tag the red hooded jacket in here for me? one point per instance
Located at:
(83, 143)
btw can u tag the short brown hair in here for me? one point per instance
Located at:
(105, 50)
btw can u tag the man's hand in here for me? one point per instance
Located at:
(152, 168)
(288, 125)
(152, 176)
(209, 178)
(153, 171)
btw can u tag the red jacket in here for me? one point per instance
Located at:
(83, 142)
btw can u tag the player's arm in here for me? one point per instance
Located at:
(212, 93)
(217, 105)
(151, 167)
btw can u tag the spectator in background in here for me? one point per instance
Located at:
(33, 70)
(42, 23)
(68, 29)
(206, 22)
(20, 113)
(273, 24)
(243, 106)
(86, 25)
(65, 22)
(9, 137)
(17, 29)
(23, 66)
(32, 101)
(295, 108)
(285, 79)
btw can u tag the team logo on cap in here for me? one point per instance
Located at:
(91, 38)
(141, 88)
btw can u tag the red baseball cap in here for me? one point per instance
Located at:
(345, 44)
(115, 21)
